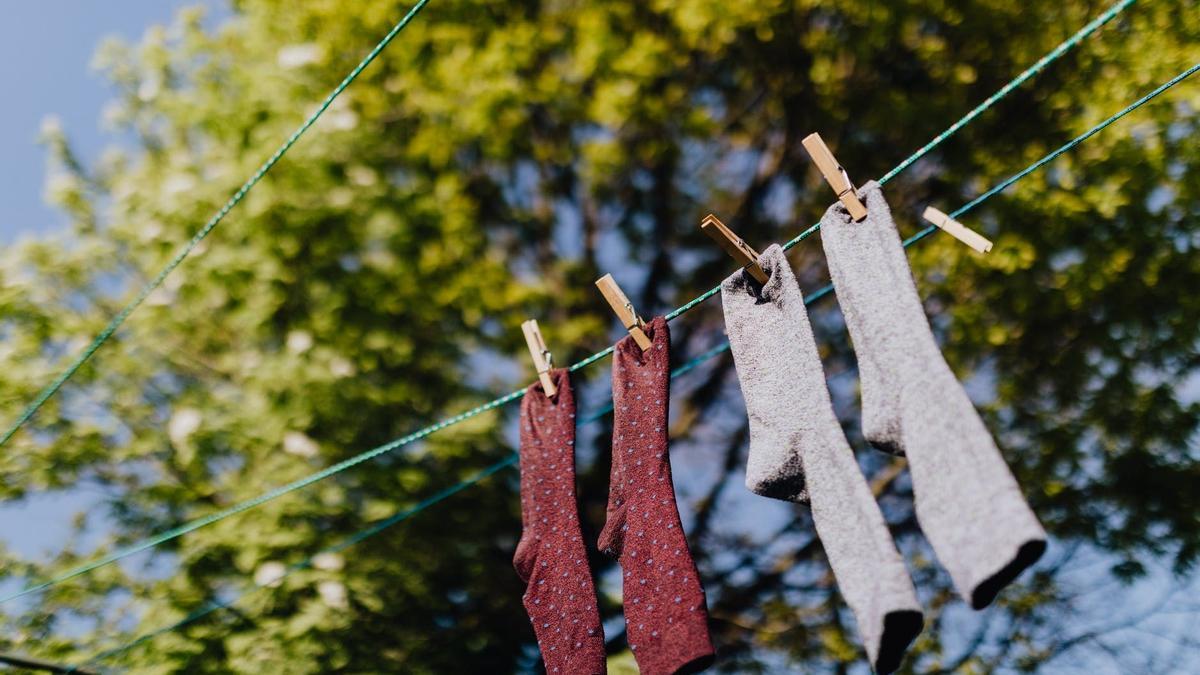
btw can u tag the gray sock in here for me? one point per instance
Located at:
(799, 453)
(967, 501)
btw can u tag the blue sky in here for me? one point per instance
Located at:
(46, 49)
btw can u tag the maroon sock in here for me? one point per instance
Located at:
(666, 617)
(550, 558)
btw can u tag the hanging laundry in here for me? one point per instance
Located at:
(560, 598)
(666, 616)
(799, 453)
(967, 501)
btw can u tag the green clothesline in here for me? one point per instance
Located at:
(512, 459)
(393, 445)
(369, 531)
(103, 336)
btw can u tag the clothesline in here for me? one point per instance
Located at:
(116, 322)
(393, 445)
(370, 530)
(450, 491)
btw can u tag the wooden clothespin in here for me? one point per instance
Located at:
(745, 256)
(624, 310)
(542, 358)
(957, 230)
(835, 175)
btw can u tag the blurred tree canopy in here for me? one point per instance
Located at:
(487, 168)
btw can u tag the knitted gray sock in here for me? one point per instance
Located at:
(967, 501)
(799, 453)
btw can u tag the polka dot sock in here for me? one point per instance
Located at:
(666, 617)
(550, 558)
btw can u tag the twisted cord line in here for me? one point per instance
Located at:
(691, 364)
(240, 507)
(1066, 147)
(1094, 25)
(233, 201)
(694, 362)
(1050, 57)
(367, 532)
(516, 394)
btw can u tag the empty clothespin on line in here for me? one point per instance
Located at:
(542, 359)
(835, 175)
(624, 310)
(734, 245)
(957, 230)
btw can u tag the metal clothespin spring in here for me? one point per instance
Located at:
(849, 183)
(637, 320)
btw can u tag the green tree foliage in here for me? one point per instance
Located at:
(494, 161)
